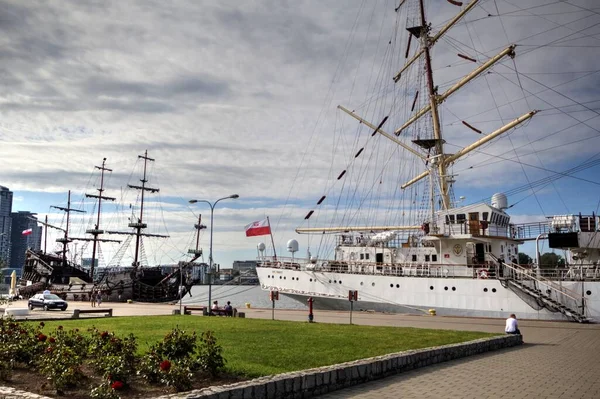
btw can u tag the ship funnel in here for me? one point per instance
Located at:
(499, 201)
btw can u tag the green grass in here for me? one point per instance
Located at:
(255, 347)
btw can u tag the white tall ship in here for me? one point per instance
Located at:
(415, 247)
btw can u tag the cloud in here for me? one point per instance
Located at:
(240, 97)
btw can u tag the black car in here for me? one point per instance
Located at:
(47, 301)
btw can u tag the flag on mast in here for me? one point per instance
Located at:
(27, 232)
(259, 228)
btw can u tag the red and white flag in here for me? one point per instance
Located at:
(27, 232)
(259, 228)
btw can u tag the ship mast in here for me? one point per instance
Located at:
(439, 161)
(437, 131)
(140, 225)
(96, 231)
(197, 252)
(65, 240)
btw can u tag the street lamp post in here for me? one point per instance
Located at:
(210, 251)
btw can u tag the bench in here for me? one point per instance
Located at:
(76, 312)
(190, 309)
(16, 312)
(219, 312)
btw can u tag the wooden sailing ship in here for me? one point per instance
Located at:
(68, 278)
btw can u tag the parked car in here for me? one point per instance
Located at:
(47, 302)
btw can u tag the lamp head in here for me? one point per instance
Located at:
(234, 196)
(192, 201)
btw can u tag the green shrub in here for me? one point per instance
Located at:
(60, 364)
(210, 356)
(104, 391)
(177, 344)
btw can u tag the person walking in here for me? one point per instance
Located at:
(93, 298)
(99, 298)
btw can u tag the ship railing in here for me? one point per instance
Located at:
(573, 273)
(408, 269)
(550, 288)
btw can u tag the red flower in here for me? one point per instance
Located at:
(165, 365)
(117, 385)
(42, 324)
(42, 337)
(23, 332)
(49, 349)
(51, 340)
(104, 334)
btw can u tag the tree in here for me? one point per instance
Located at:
(524, 259)
(550, 260)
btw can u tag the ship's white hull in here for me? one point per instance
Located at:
(403, 294)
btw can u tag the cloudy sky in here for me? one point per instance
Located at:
(239, 97)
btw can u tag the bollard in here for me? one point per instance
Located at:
(311, 317)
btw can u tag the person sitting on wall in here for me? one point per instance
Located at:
(512, 326)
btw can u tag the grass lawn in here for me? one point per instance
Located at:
(254, 347)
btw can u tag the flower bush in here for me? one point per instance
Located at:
(210, 357)
(61, 355)
(112, 356)
(104, 391)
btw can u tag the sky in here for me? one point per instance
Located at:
(240, 98)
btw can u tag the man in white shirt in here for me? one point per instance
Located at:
(512, 327)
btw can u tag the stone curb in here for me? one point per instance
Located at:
(318, 381)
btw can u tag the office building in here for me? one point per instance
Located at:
(21, 239)
(6, 198)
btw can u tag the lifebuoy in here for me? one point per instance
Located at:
(483, 273)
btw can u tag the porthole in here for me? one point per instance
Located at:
(329, 281)
(391, 285)
(334, 281)
(372, 284)
(431, 287)
(311, 280)
(340, 281)
(446, 288)
(361, 283)
(397, 285)
(548, 291)
(284, 277)
(588, 292)
(493, 290)
(485, 290)
(453, 288)
(280, 277)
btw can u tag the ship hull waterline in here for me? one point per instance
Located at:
(414, 295)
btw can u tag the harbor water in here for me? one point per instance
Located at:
(239, 296)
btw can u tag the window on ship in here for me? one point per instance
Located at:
(414, 258)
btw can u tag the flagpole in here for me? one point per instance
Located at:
(272, 241)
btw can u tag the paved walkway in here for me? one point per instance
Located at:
(558, 360)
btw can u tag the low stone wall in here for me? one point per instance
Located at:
(314, 382)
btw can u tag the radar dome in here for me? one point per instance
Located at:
(499, 201)
(261, 246)
(292, 246)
